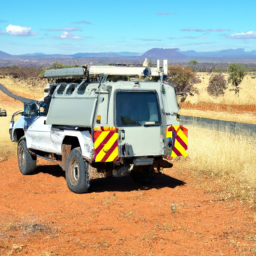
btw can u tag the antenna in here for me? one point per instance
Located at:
(165, 67)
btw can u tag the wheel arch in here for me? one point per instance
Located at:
(18, 134)
(69, 142)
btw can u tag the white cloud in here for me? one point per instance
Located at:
(69, 35)
(19, 31)
(64, 29)
(243, 35)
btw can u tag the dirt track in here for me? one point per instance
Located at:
(14, 96)
(40, 216)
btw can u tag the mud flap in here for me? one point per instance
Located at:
(179, 136)
(105, 143)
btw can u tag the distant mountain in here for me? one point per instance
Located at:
(240, 52)
(160, 53)
(5, 55)
(128, 54)
(155, 53)
(34, 54)
(105, 54)
(100, 54)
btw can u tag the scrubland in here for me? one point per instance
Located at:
(229, 107)
(24, 88)
(225, 158)
(247, 95)
(8, 148)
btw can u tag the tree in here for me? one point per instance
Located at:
(193, 62)
(182, 78)
(217, 85)
(150, 62)
(57, 65)
(236, 75)
(217, 70)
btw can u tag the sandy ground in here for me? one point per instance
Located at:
(40, 216)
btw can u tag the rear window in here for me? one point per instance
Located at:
(137, 108)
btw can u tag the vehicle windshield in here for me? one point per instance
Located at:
(137, 108)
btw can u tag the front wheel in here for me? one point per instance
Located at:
(77, 174)
(26, 162)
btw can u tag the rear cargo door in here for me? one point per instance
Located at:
(138, 119)
(71, 109)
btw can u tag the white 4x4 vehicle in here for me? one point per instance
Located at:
(115, 127)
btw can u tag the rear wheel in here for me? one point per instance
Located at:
(26, 162)
(77, 172)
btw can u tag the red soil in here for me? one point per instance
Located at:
(40, 216)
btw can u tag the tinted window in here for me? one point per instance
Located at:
(71, 89)
(137, 108)
(82, 88)
(61, 89)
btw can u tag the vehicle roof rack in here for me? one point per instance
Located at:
(108, 70)
(65, 72)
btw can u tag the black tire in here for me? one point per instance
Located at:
(77, 172)
(26, 162)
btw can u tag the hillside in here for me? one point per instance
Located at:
(5, 55)
(160, 53)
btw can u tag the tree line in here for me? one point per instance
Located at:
(181, 77)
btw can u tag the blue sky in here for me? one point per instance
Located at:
(69, 27)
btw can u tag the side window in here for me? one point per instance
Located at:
(82, 88)
(52, 89)
(61, 89)
(71, 89)
(31, 109)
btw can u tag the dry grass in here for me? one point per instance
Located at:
(243, 118)
(22, 88)
(8, 148)
(228, 158)
(247, 93)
